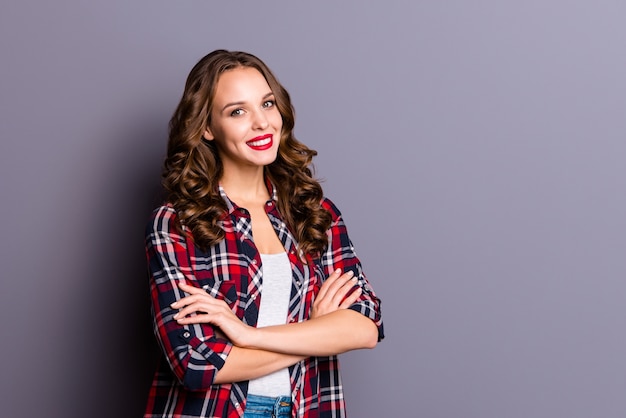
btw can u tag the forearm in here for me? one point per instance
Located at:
(331, 334)
(246, 364)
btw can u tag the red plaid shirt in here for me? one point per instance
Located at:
(231, 270)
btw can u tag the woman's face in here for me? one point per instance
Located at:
(245, 122)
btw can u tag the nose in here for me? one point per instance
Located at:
(260, 120)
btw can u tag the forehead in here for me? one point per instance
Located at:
(241, 84)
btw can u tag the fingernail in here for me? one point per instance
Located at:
(338, 271)
(351, 273)
(173, 304)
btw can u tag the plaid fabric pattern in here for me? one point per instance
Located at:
(231, 270)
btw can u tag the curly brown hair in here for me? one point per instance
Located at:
(193, 168)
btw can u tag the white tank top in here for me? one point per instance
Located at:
(274, 309)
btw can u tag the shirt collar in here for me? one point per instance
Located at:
(232, 206)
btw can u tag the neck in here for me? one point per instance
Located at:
(245, 187)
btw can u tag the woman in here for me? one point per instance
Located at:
(254, 282)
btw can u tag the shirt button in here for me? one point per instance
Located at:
(270, 204)
(253, 297)
(186, 334)
(254, 261)
(236, 404)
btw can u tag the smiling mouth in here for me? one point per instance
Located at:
(261, 143)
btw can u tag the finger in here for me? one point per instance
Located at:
(196, 319)
(352, 298)
(328, 282)
(195, 305)
(195, 294)
(193, 290)
(340, 292)
(205, 303)
(339, 281)
(187, 310)
(196, 310)
(187, 300)
(337, 284)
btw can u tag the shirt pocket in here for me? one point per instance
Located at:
(225, 290)
(219, 273)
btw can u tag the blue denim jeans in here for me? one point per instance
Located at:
(266, 407)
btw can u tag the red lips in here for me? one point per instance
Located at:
(261, 143)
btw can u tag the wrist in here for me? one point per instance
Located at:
(254, 338)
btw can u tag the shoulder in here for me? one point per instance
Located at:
(331, 208)
(163, 219)
(163, 212)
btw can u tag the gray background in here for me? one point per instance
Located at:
(476, 149)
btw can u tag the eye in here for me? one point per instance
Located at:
(269, 103)
(237, 112)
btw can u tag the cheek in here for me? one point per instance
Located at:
(277, 121)
(231, 131)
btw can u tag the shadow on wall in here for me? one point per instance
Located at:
(112, 368)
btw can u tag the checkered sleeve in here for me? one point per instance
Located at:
(193, 352)
(341, 254)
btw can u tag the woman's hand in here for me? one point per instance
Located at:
(200, 307)
(332, 295)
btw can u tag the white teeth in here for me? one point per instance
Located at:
(260, 143)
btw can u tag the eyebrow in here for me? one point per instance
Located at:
(241, 103)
